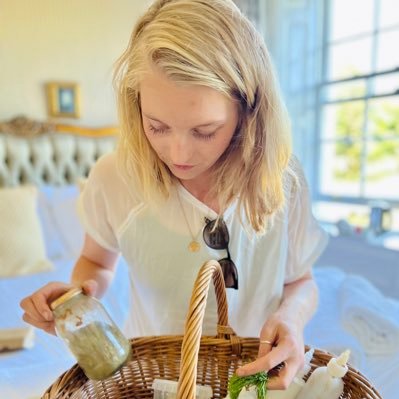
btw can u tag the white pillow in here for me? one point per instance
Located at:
(22, 249)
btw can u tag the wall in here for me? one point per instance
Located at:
(56, 40)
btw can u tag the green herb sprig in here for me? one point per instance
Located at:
(258, 380)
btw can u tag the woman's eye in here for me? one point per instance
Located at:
(204, 136)
(155, 130)
(196, 133)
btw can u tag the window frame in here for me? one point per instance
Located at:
(321, 102)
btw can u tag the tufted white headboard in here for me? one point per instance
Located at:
(48, 156)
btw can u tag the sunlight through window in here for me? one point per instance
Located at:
(359, 135)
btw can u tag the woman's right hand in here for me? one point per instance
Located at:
(37, 309)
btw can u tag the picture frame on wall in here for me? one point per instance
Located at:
(63, 99)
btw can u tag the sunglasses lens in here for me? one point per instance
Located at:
(216, 238)
(230, 273)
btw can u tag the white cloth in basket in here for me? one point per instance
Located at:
(369, 316)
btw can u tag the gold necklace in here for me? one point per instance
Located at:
(194, 245)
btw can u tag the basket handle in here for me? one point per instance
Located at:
(193, 326)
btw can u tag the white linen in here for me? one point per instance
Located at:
(383, 372)
(39, 367)
(28, 373)
(369, 316)
(58, 212)
(324, 331)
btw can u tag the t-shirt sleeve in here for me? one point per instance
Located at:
(306, 238)
(94, 207)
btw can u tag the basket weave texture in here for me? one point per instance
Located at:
(193, 358)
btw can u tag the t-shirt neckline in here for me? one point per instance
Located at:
(211, 214)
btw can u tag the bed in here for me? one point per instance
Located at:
(49, 161)
(44, 164)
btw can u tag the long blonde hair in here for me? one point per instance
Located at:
(209, 43)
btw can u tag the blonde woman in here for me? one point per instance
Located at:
(203, 170)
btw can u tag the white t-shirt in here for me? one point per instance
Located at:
(154, 243)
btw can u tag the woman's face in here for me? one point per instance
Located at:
(188, 126)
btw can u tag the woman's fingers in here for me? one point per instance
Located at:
(42, 298)
(37, 309)
(277, 355)
(90, 287)
(29, 308)
(268, 338)
(285, 375)
(39, 301)
(37, 306)
(287, 352)
(51, 292)
(47, 326)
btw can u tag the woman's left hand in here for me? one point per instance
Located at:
(286, 346)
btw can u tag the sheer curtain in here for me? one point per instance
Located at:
(250, 8)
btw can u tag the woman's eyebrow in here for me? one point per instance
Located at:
(155, 119)
(217, 122)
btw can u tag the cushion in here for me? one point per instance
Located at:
(22, 248)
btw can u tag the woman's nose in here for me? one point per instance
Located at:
(180, 150)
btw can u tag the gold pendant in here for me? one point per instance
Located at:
(194, 246)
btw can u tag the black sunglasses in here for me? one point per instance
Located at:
(217, 237)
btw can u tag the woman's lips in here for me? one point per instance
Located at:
(183, 167)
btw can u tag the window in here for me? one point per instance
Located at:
(359, 102)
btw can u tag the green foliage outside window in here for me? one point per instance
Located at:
(382, 140)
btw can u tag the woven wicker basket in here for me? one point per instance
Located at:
(196, 360)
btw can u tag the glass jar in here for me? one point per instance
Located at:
(96, 342)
